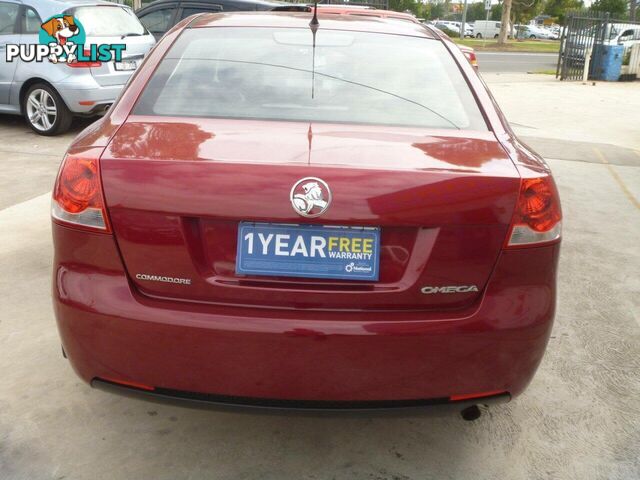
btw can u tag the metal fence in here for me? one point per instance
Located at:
(584, 33)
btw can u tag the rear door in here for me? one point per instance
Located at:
(158, 19)
(191, 8)
(9, 34)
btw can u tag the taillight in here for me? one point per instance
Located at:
(471, 56)
(87, 53)
(77, 193)
(537, 218)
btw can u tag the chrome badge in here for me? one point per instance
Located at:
(310, 197)
(428, 290)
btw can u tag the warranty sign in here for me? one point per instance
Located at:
(310, 251)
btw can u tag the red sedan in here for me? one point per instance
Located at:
(305, 214)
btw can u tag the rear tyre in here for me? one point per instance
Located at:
(532, 37)
(45, 111)
(479, 35)
(495, 36)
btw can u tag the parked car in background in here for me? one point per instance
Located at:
(579, 42)
(373, 236)
(50, 94)
(358, 11)
(486, 29)
(624, 34)
(455, 27)
(161, 15)
(534, 32)
(391, 15)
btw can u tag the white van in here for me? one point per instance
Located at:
(625, 34)
(486, 29)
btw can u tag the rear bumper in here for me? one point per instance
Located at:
(209, 353)
(252, 405)
(83, 87)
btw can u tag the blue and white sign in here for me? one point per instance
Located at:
(309, 251)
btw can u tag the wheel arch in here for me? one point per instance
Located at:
(27, 84)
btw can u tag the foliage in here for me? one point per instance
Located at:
(451, 33)
(559, 8)
(522, 11)
(476, 11)
(496, 13)
(419, 9)
(617, 8)
(438, 10)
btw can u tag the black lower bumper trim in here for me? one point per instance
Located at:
(249, 404)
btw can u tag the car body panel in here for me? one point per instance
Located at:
(112, 329)
(370, 187)
(109, 331)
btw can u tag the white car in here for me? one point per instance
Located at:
(624, 34)
(455, 27)
(535, 32)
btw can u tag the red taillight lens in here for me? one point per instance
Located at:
(84, 64)
(471, 56)
(537, 218)
(77, 193)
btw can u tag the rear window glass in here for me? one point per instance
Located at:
(108, 21)
(267, 73)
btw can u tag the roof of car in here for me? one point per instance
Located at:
(49, 8)
(274, 3)
(366, 12)
(301, 20)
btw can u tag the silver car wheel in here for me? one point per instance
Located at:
(41, 109)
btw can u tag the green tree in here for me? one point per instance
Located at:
(476, 11)
(496, 13)
(617, 8)
(559, 8)
(524, 10)
(417, 8)
(505, 19)
(438, 10)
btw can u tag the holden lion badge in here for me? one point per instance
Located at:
(310, 197)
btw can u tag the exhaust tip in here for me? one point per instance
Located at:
(471, 413)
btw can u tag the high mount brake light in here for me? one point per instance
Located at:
(537, 217)
(77, 193)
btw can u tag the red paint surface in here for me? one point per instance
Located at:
(175, 190)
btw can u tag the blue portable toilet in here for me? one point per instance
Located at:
(607, 62)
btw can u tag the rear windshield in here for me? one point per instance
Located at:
(268, 74)
(108, 21)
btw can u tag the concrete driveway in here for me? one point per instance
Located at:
(579, 419)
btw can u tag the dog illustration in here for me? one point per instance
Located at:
(61, 29)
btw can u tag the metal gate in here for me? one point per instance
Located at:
(583, 35)
(580, 37)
